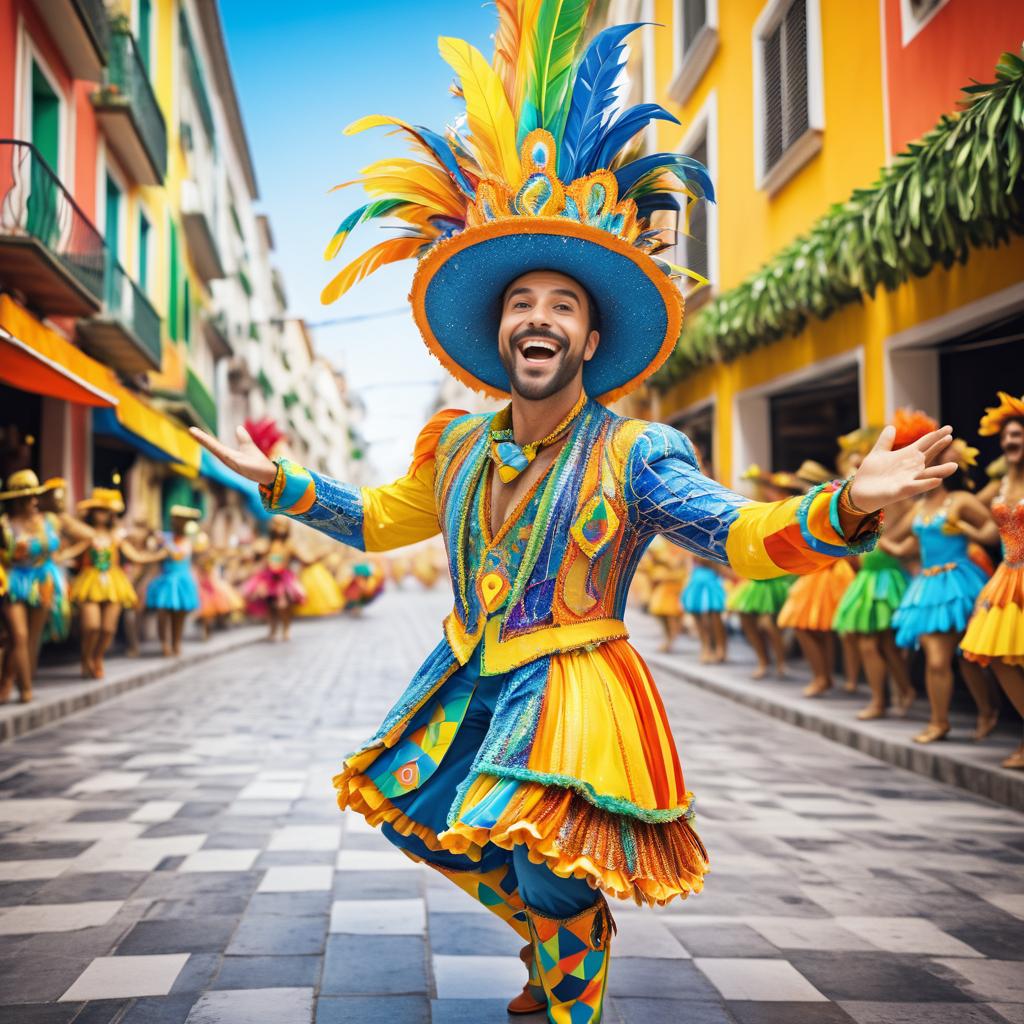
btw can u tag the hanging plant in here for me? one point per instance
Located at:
(957, 188)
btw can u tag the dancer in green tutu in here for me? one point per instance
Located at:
(757, 602)
(866, 609)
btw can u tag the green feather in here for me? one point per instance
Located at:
(556, 37)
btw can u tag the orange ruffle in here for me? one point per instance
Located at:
(996, 629)
(813, 599)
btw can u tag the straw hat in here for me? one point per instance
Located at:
(811, 472)
(103, 497)
(22, 484)
(185, 512)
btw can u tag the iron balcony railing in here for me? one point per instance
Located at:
(126, 302)
(94, 16)
(36, 205)
(127, 77)
(200, 399)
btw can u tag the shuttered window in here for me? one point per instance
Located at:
(694, 246)
(784, 85)
(695, 17)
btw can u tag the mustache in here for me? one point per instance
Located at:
(539, 332)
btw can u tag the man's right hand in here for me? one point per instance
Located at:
(246, 459)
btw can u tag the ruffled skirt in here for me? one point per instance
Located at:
(760, 597)
(217, 597)
(173, 591)
(996, 629)
(576, 762)
(323, 595)
(704, 592)
(665, 599)
(273, 586)
(871, 600)
(813, 599)
(938, 602)
(103, 586)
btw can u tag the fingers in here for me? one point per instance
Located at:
(943, 434)
(943, 446)
(939, 472)
(222, 451)
(885, 439)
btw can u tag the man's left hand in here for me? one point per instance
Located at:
(886, 476)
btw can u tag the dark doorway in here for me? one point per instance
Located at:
(806, 420)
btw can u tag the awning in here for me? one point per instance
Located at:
(213, 469)
(144, 424)
(24, 368)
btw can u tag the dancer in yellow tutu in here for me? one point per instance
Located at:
(995, 633)
(323, 595)
(101, 590)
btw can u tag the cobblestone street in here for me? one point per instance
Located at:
(175, 856)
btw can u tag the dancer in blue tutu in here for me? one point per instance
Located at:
(704, 599)
(174, 593)
(938, 603)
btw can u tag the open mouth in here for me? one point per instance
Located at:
(538, 350)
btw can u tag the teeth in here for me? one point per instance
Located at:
(546, 345)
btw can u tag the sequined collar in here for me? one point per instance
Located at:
(510, 458)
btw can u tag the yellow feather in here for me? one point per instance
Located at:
(506, 45)
(390, 251)
(491, 124)
(407, 179)
(529, 13)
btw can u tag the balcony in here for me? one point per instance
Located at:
(126, 335)
(127, 109)
(81, 30)
(50, 252)
(217, 333)
(199, 234)
(194, 404)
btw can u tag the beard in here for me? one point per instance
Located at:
(537, 390)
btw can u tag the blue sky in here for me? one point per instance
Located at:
(303, 71)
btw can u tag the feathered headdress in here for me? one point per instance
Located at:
(911, 425)
(265, 434)
(1009, 408)
(535, 175)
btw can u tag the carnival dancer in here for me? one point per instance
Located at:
(361, 583)
(35, 584)
(217, 598)
(867, 607)
(102, 590)
(937, 605)
(810, 607)
(995, 633)
(530, 760)
(323, 595)
(758, 602)
(668, 575)
(53, 501)
(704, 599)
(273, 589)
(174, 592)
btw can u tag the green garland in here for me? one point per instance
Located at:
(959, 187)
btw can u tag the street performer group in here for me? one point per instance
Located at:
(530, 758)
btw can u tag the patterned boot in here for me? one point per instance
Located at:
(494, 891)
(573, 956)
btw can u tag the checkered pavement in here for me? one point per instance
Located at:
(175, 857)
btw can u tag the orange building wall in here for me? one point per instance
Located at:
(925, 77)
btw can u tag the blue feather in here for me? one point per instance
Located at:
(593, 93)
(685, 168)
(625, 126)
(443, 152)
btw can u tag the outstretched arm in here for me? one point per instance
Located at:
(763, 539)
(367, 518)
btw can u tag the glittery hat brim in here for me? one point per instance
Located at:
(458, 286)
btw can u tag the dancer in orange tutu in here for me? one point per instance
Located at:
(995, 633)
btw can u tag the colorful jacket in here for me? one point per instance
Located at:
(615, 485)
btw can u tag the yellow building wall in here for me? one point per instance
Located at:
(753, 226)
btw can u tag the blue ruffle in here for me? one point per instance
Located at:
(704, 592)
(176, 592)
(938, 603)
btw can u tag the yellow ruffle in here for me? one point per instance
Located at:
(323, 595)
(93, 585)
(996, 629)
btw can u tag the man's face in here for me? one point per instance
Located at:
(1011, 440)
(544, 334)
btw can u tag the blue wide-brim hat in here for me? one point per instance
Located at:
(458, 287)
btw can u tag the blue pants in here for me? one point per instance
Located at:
(539, 887)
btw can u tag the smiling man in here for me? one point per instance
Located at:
(530, 759)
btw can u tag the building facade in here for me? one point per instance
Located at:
(805, 110)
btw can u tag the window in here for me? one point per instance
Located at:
(112, 220)
(696, 43)
(173, 285)
(915, 14)
(144, 35)
(42, 208)
(186, 311)
(144, 236)
(788, 101)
